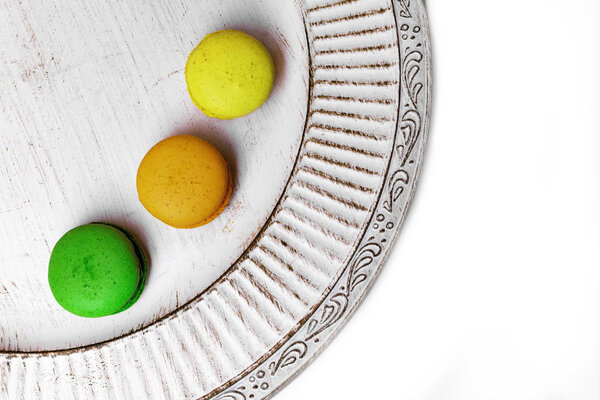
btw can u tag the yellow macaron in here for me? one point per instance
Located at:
(230, 74)
(184, 181)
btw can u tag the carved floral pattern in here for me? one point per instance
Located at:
(233, 395)
(296, 351)
(404, 8)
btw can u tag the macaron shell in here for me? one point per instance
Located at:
(184, 182)
(220, 208)
(230, 74)
(95, 271)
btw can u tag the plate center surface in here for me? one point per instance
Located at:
(87, 88)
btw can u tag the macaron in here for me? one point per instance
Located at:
(97, 270)
(230, 74)
(184, 181)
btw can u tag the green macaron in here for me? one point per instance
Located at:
(97, 270)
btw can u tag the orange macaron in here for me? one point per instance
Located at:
(184, 181)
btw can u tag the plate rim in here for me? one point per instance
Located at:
(417, 13)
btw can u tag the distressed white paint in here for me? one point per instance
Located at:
(86, 88)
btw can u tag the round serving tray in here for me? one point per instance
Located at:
(324, 174)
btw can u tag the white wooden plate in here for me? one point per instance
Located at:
(323, 173)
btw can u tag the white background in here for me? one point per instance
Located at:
(493, 290)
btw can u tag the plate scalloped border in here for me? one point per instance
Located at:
(162, 361)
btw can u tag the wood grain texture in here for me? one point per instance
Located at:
(315, 257)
